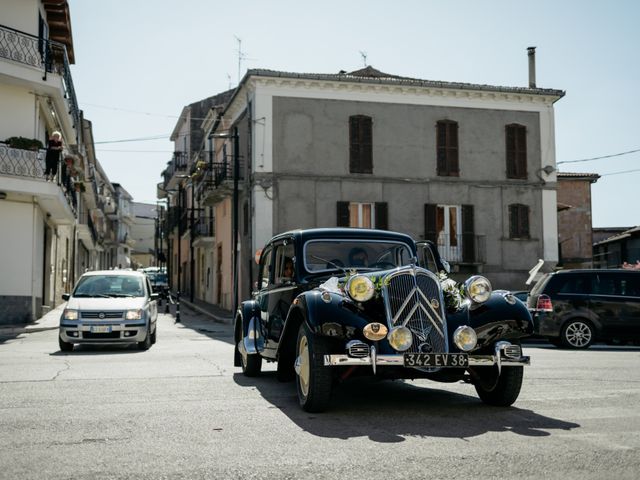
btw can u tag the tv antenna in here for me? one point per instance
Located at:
(364, 57)
(241, 56)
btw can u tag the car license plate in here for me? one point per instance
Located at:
(455, 360)
(101, 329)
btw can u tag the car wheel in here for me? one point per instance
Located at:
(154, 335)
(65, 346)
(314, 380)
(505, 389)
(577, 333)
(251, 364)
(146, 343)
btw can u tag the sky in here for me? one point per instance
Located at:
(139, 62)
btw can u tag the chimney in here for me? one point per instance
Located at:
(531, 51)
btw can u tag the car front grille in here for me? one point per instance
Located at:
(101, 315)
(357, 349)
(413, 299)
(110, 335)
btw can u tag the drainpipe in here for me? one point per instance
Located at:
(33, 259)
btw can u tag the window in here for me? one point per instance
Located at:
(265, 269)
(360, 144)
(516, 139)
(284, 267)
(518, 221)
(447, 148)
(363, 215)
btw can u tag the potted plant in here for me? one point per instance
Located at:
(24, 143)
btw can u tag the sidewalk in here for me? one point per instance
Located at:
(49, 321)
(216, 313)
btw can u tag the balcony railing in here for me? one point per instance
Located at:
(45, 55)
(465, 248)
(177, 164)
(30, 163)
(203, 226)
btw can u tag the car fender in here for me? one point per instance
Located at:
(248, 327)
(502, 317)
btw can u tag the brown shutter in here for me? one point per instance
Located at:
(513, 221)
(447, 148)
(516, 151)
(524, 221)
(468, 235)
(452, 148)
(354, 145)
(343, 214)
(360, 144)
(441, 149)
(430, 222)
(521, 158)
(382, 220)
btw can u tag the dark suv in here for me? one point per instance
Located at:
(572, 308)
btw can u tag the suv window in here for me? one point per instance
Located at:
(572, 283)
(621, 284)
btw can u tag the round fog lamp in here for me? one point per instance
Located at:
(400, 338)
(465, 338)
(375, 331)
(360, 288)
(478, 289)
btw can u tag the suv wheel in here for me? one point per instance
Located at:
(577, 333)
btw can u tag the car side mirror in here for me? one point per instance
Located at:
(66, 297)
(154, 296)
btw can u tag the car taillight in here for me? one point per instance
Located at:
(544, 304)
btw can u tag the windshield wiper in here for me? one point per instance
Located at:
(329, 262)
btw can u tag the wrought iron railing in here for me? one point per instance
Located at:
(30, 163)
(177, 164)
(463, 248)
(203, 226)
(45, 55)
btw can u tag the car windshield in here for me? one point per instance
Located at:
(330, 255)
(109, 286)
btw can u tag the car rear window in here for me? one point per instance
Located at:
(569, 283)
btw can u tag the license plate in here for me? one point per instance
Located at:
(455, 360)
(101, 329)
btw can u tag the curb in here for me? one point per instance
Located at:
(216, 318)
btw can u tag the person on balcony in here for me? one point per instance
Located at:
(54, 149)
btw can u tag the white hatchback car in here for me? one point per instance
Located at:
(107, 307)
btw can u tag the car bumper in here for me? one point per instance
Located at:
(79, 332)
(500, 358)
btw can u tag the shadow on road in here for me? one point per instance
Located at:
(90, 349)
(389, 411)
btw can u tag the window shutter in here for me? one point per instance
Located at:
(523, 221)
(468, 235)
(430, 222)
(354, 145)
(382, 220)
(516, 151)
(513, 221)
(343, 214)
(447, 148)
(360, 144)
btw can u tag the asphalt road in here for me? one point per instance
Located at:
(181, 410)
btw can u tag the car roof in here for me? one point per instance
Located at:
(131, 273)
(345, 233)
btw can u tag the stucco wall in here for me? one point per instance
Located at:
(20, 111)
(311, 168)
(21, 15)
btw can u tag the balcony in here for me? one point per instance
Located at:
(203, 231)
(22, 173)
(465, 249)
(178, 165)
(87, 231)
(217, 182)
(46, 57)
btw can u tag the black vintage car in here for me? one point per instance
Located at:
(335, 303)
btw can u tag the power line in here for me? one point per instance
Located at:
(600, 158)
(133, 151)
(141, 139)
(620, 173)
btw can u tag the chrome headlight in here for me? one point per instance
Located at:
(133, 314)
(400, 338)
(465, 338)
(360, 288)
(478, 289)
(70, 314)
